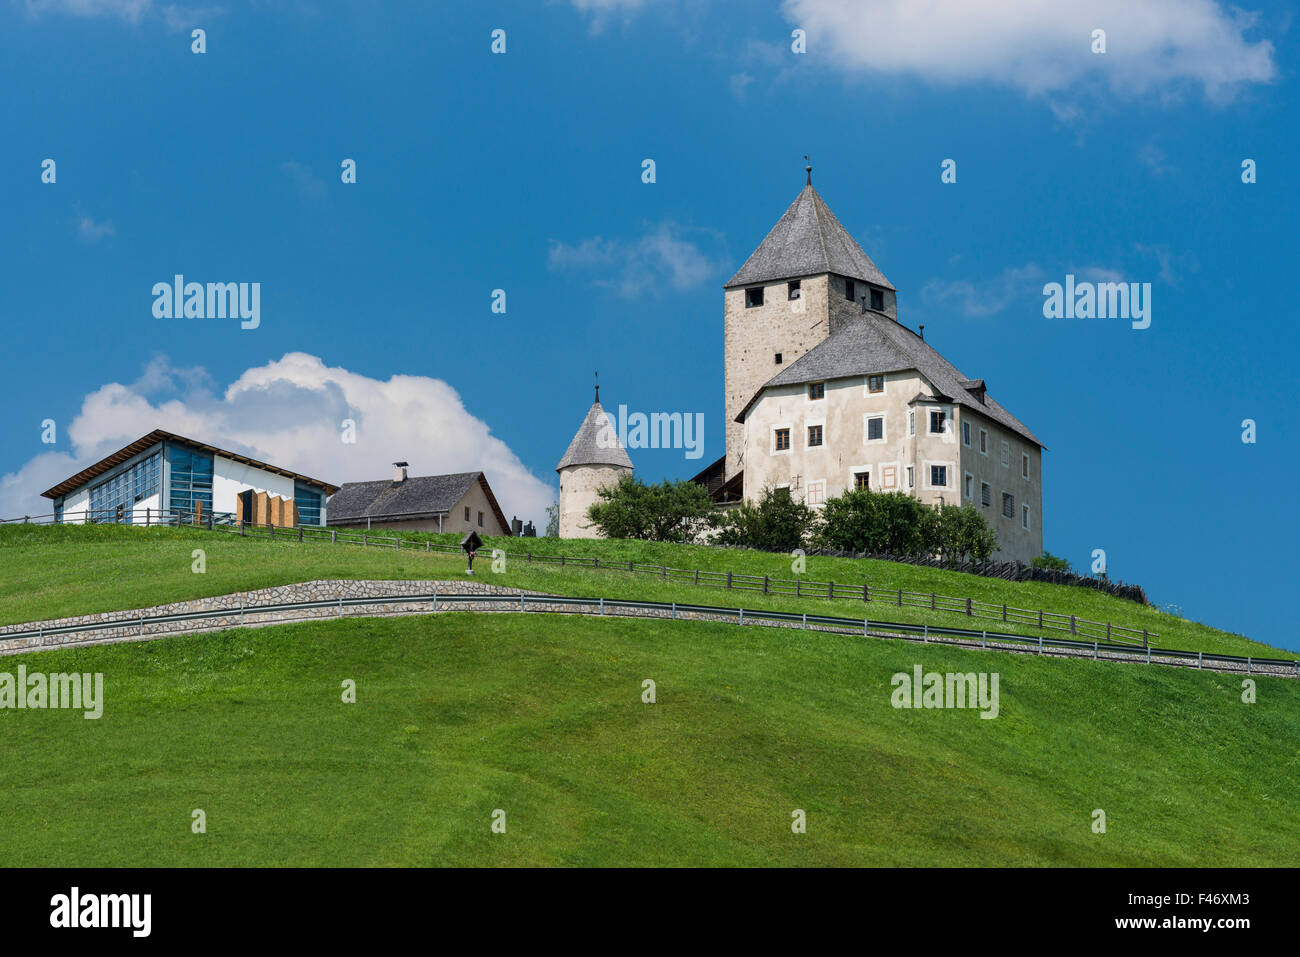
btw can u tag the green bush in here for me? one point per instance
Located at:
(894, 523)
(1051, 562)
(776, 523)
(667, 512)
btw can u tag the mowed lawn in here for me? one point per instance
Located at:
(50, 572)
(542, 717)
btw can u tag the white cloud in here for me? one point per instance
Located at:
(1042, 46)
(985, 297)
(288, 412)
(176, 18)
(660, 256)
(92, 232)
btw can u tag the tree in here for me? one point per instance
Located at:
(553, 520)
(1050, 562)
(889, 523)
(775, 523)
(959, 532)
(667, 512)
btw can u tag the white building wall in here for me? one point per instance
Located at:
(229, 478)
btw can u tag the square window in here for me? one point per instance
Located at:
(878, 300)
(984, 442)
(938, 476)
(876, 428)
(937, 422)
(1008, 505)
(778, 358)
(753, 297)
(816, 493)
(1024, 517)
(793, 291)
(782, 440)
(849, 290)
(986, 494)
(862, 481)
(888, 476)
(1024, 465)
(814, 435)
(875, 383)
(816, 390)
(911, 477)
(965, 434)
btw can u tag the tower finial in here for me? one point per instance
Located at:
(598, 387)
(808, 169)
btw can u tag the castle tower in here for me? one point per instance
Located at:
(595, 459)
(805, 279)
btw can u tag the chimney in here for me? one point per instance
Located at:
(399, 472)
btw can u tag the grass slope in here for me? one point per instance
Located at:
(542, 717)
(50, 572)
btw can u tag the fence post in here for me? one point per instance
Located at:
(1004, 611)
(1199, 655)
(428, 545)
(1040, 642)
(900, 598)
(674, 609)
(1072, 631)
(1040, 618)
(866, 592)
(967, 607)
(1108, 631)
(561, 561)
(796, 588)
(299, 527)
(984, 639)
(435, 601)
(728, 579)
(697, 576)
(1144, 638)
(363, 539)
(765, 584)
(805, 621)
(521, 601)
(1247, 660)
(925, 635)
(1094, 651)
(830, 589)
(932, 601)
(602, 606)
(742, 615)
(665, 570)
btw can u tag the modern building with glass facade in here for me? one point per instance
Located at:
(163, 477)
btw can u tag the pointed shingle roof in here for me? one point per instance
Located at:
(596, 442)
(418, 497)
(807, 241)
(873, 345)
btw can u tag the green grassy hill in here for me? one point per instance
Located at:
(49, 572)
(541, 716)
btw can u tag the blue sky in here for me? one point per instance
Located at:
(479, 171)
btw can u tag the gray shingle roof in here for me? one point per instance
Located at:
(872, 345)
(806, 241)
(419, 496)
(596, 442)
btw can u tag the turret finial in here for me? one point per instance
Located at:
(808, 169)
(598, 387)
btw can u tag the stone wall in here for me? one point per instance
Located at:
(243, 610)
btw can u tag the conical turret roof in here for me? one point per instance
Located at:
(596, 442)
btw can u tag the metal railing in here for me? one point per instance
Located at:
(999, 640)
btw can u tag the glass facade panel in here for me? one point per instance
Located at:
(308, 501)
(124, 490)
(191, 481)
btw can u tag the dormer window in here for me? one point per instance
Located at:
(878, 300)
(848, 291)
(816, 390)
(792, 290)
(753, 297)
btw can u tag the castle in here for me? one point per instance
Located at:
(826, 391)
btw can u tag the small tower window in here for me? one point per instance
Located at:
(753, 297)
(878, 300)
(848, 290)
(792, 290)
(778, 358)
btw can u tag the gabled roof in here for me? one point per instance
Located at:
(806, 241)
(418, 497)
(596, 442)
(872, 345)
(153, 438)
